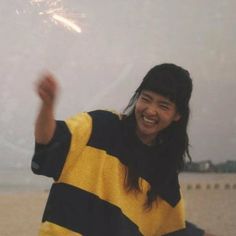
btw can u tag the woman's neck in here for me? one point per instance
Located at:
(147, 140)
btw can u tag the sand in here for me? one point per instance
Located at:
(213, 209)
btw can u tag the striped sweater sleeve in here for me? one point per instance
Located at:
(49, 159)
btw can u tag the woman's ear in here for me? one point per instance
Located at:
(177, 117)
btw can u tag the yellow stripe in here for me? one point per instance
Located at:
(80, 127)
(175, 219)
(108, 172)
(50, 229)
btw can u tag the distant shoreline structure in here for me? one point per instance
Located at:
(208, 166)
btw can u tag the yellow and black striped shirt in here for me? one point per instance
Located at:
(87, 158)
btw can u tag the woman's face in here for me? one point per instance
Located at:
(153, 113)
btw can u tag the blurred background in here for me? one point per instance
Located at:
(99, 51)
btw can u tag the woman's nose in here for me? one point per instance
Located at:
(151, 110)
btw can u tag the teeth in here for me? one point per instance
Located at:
(148, 120)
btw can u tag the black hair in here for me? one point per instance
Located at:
(175, 83)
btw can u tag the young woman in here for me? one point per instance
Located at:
(114, 174)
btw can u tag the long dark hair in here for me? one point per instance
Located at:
(173, 82)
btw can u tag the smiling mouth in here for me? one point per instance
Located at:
(149, 121)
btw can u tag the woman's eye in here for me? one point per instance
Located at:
(145, 99)
(164, 107)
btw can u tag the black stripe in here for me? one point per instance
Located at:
(120, 141)
(190, 230)
(49, 159)
(181, 232)
(106, 132)
(85, 213)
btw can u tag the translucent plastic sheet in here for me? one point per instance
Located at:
(100, 50)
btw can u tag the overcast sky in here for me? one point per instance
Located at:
(100, 51)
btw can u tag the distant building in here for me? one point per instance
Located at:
(202, 166)
(208, 166)
(205, 166)
(226, 167)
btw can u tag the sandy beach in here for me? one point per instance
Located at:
(209, 205)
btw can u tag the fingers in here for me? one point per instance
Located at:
(48, 84)
(47, 88)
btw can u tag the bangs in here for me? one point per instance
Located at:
(163, 84)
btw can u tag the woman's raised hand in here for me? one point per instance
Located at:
(47, 89)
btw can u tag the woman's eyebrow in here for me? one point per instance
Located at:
(146, 95)
(166, 102)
